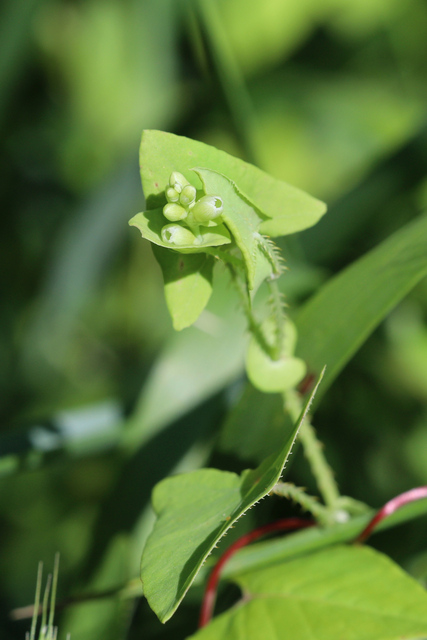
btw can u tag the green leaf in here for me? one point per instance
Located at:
(151, 223)
(242, 220)
(340, 317)
(161, 153)
(188, 284)
(193, 512)
(351, 593)
(255, 410)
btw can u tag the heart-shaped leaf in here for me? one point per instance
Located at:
(341, 593)
(194, 511)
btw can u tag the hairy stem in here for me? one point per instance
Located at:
(279, 317)
(313, 450)
(273, 255)
(253, 324)
(307, 502)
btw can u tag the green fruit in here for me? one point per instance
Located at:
(177, 235)
(207, 208)
(178, 181)
(188, 195)
(174, 212)
(172, 195)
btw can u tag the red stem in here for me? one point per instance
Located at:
(390, 507)
(289, 524)
(209, 597)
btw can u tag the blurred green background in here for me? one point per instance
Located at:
(99, 399)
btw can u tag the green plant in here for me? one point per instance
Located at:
(47, 630)
(206, 207)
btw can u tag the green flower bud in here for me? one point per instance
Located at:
(174, 212)
(207, 208)
(188, 195)
(178, 181)
(172, 195)
(177, 235)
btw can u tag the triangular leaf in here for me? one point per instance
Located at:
(188, 284)
(161, 153)
(194, 511)
(341, 593)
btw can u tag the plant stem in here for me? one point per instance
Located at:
(391, 507)
(279, 316)
(313, 450)
(208, 603)
(254, 326)
(273, 255)
(307, 502)
(269, 553)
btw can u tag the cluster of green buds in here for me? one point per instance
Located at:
(186, 213)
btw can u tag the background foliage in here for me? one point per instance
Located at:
(99, 398)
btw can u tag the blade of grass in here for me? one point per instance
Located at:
(36, 601)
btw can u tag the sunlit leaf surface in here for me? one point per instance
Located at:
(289, 208)
(342, 593)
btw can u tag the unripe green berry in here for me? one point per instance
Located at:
(178, 181)
(207, 208)
(172, 195)
(177, 235)
(187, 195)
(174, 212)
